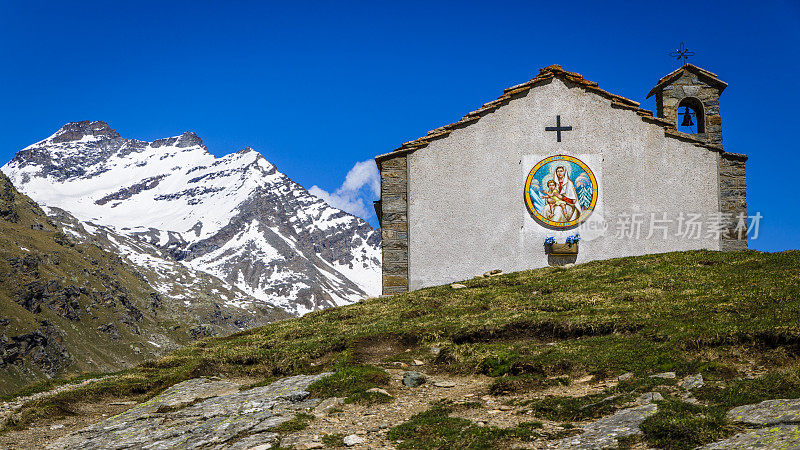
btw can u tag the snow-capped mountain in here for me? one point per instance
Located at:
(234, 217)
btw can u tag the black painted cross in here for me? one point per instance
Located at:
(558, 128)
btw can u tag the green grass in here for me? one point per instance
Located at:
(719, 314)
(352, 382)
(334, 440)
(679, 425)
(565, 408)
(781, 383)
(299, 422)
(48, 385)
(435, 429)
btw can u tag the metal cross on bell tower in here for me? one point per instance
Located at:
(682, 53)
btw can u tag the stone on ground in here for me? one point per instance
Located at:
(352, 440)
(779, 436)
(649, 397)
(300, 443)
(233, 419)
(378, 391)
(692, 382)
(625, 376)
(326, 405)
(605, 432)
(414, 379)
(665, 375)
(769, 412)
(309, 445)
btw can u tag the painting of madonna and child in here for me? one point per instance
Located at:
(561, 191)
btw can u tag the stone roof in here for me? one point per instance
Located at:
(709, 77)
(545, 76)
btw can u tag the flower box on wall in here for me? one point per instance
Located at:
(563, 249)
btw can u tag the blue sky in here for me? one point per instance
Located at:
(319, 86)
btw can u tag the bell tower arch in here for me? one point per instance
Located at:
(689, 98)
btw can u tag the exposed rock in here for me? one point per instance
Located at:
(769, 412)
(299, 442)
(179, 417)
(75, 131)
(417, 362)
(202, 330)
(605, 432)
(649, 397)
(193, 390)
(308, 445)
(414, 379)
(688, 397)
(260, 441)
(43, 347)
(457, 286)
(625, 376)
(665, 375)
(8, 208)
(326, 405)
(129, 191)
(378, 391)
(493, 273)
(692, 382)
(63, 300)
(444, 384)
(781, 436)
(110, 329)
(352, 440)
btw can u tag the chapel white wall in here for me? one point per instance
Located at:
(466, 208)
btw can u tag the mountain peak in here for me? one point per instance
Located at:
(188, 139)
(75, 131)
(184, 140)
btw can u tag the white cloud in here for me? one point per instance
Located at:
(360, 187)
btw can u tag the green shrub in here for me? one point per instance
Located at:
(779, 384)
(299, 422)
(353, 381)
(333, 440)
(678, 425)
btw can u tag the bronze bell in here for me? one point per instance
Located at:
(687, 118)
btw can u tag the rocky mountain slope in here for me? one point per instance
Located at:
(672, 351)
(235, 217)
(67, 305)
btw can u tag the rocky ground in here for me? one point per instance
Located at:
(224, 413)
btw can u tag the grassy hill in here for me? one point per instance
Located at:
(73, 307)
(68, 307)
(734, 317)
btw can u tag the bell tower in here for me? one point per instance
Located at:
(689, 98)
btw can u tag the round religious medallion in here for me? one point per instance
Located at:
(561, 191)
